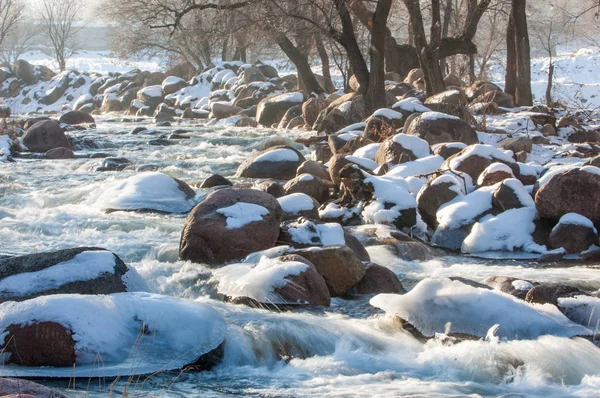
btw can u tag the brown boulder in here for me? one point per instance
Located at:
(315, 168)
(311, 110)
(511, 195)
(279, 162)
(493, 174)
(453, 96)
(310, 185)
(45, 135)
(223, 111)
(271, 187)
(377, 280)
(272, 109)
(338, 265)
(572, 235)
(550, 293)
(209, 238)
(308, 287)
(59, 153)
(433, 195)
(299, 205)
(509, 285)
(40, 344)
(26, 388)
(436, 128)
(215, 180)
(76, 117)
(517, 144)
(574, 191)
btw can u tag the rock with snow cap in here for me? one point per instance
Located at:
(299, 205)
(402, 148)
(572, 191)
(230, 224)
(494, 173)
(272, 109)
(279, 162)
(436, 128)
(434, 194)
(474, 159)
(310, 185)
(575, 233)
(85, 270)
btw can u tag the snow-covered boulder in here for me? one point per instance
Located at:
(287, 280)
(81, 271)
(445, 306)
(70, 332)
(474, 159)
(575, 233)
(436, 128)
(220, 110)
(19, 388)
(303, 233)
(172, 84)
(338, 265)
(253, 74)
(148, 191)
(452, 97)
(152, 96)
(511, 194)
(391, 204)
(230, 224)
(508, 231)
(279, 162)
(494, 173)
(45, 135)
(436, 193)
(315, 168)
(271, 109)
(570, 191)
(402, 148)
(507, 284)
(296, 205)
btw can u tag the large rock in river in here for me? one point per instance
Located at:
(279, 162)
(573, 191)
(84, 270)
(76, 117)
(230, 224)
(271, 109)
(70, 331)
(45, 135)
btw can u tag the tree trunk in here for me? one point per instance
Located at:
(445, 28)
(523, 95)
(510, 79)
(305, 73)
(549, 85)
(325, 66)
(348, 40)
(375, 97)
(428, 55)
(472, 77)
(225, 49)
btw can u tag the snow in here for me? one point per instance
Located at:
(85, 98)
(108, 326)
(94, 61)
(305, 177)
(278, 155)
(152, 91)
(584, 310)
(494, 168)
(354, 127)
(144, 191)
(83, 267)
(257, 281)
(414, 144)
(591, 169)
(388, 191)
(366, 163)
(171, 81)
(410, 105)
(388, 114)
(517, 187)
(309, 233)
(433, 303)
(296, 202)
(462, 210)
(488, 152)
(242, 213)
(522, 285)
(508, 231)
(368, 151)
(429, 116)
(575, 219)
(5, 145)
(295, 97)
(420, 166)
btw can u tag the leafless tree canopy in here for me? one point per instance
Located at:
(60, 23)
(11, 13)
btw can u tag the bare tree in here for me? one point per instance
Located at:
(11, 12)
(18, 42)
(549, 26)
(60, 26)
(518, 55)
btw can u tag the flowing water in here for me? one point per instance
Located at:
(349, 349)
